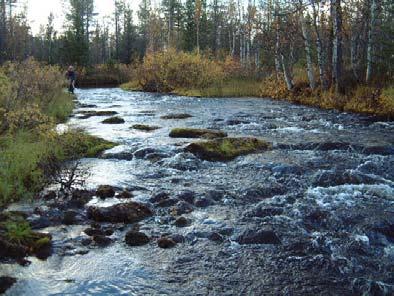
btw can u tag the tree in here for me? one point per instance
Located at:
(336, 14)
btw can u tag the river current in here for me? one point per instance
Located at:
(326, 190)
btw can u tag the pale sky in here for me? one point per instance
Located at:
(39, 10)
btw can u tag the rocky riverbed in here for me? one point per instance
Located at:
(310, 211)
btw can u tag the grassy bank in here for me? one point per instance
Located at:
(32, 152)
(197, 76)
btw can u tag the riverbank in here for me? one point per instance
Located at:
(362, 100)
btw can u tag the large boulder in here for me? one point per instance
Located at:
(176, 116)
(6, 282)
(114, 120)
(226, 149)
(121, 213)
(166, 243)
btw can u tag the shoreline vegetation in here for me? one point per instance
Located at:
(32, 152)
(193, 75)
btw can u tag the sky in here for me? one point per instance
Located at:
(39, 10)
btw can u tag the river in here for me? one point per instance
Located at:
(326, 190)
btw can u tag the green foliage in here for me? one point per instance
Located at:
(18, 231)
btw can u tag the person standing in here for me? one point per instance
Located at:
(71, 76)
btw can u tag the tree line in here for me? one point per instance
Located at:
(337, 42)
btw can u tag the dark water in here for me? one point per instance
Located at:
(326, 190)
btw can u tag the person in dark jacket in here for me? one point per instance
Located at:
(71, 76)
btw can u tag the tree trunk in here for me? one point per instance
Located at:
(277, 47)
(3, 29)
(287, 74)
(371, 40)
(308, 50)
(337, 45)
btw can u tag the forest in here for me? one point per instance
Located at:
(197, 147)
(333, 54)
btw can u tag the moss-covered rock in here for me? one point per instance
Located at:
(196, 133)
(17, 239)
(176, 116)
(227, 148)
(79, 144)
(89, 113)
(145, 128)
(114, 120)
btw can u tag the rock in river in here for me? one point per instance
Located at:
(6, 282)
(114, 120)
(135, 238)
(176, 116)
(166, 243)
(196, 133)
(227, 148)
(105, 191)
(121, 213)
(258, 237)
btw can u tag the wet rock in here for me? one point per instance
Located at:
(227, 148)
(187, 196)
(86, 241)
(258, 237)
(285, 169)
(215, 195)
(154, 157)
(178, 238)
(134, 238)
(262, 210)
(114, 120)
(182, 222)
(125, 194)
(167, 202)
(39, 222)
(50, 195)
(337, 177)
(215, 237)
(181, 208)
(120, 156)
(102, 240)
(176, 116)
(93, 231)
(203, 202)
(196, 133)
(380, 150)
(70, 217)
(6, 282)
(236, 121)
(11, 250)
(145, 128)
(42, 247)
(105, 191)
(166, 243)
(80, 197)
(121, 213)
(89, 113)
(159, 197)
(183, 162)
(258, 193)
(143, 152)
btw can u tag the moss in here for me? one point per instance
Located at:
(196, 133)
(143, 127)
(133, 85)
(176, 116)
(42, 242)
(76, 144)
(227, 148)
(114, 120)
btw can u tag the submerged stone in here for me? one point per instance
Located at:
(196, 133)
(114, 120)
(227, 148)
(144, 127)
(176, 116)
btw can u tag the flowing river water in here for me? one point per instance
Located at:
(326, 190)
